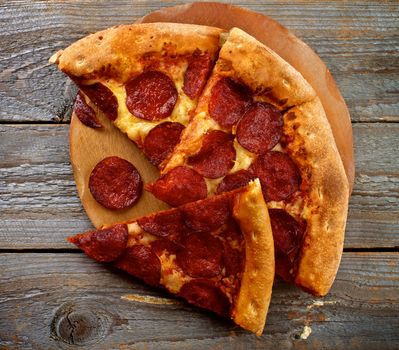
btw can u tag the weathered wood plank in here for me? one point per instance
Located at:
(358, 40)
(39, 205)
(60, 300)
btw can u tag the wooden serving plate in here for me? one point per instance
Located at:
(89, 146)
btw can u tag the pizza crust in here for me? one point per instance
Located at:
(117, 52)
(326, 200)
(253, 299)
(261, 69)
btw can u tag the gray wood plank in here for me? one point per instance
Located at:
(59, 301)
(358, 40)
(39, 205)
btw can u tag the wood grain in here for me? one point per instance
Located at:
(39, 205)
(63, 300)
(357, 40)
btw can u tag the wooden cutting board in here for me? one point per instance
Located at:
(89, 146)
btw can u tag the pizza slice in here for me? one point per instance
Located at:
(146, 78)
(216, 253)
(259, 118)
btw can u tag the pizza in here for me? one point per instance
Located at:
(214, 111)
(145, 78)
(259, 118)
(216, 253)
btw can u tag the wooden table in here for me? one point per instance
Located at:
(52, 296)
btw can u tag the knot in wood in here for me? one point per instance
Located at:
(80, 323)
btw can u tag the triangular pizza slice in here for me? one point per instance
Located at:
(146, 78)
(259, 118)
(216, 253)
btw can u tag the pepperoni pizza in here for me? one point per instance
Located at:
(259, 118)
(212, 130)
(216, 253)
(145, 78)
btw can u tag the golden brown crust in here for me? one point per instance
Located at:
(116, 52)
(326, 198)
(253, 299)
(260, 68)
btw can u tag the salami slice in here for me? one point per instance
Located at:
(161, 141)
(278, 174)
(235, 180)
(216, 156)
(85, 113)
(206, 294)
(261, 127)
(168, 224)
(142, 262)
(151, 95)
(103, 245)
(179, 186)
(197, 72)
(103, 98)
(209, 216)
(115, 183)
(287, 232)
(165, 246)
(202, 255)
(228, 102)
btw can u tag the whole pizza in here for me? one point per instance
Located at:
(222, 116)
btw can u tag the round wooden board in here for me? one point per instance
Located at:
(89, 146)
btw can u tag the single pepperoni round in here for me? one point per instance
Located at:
(161, 141)
(85, 113)
(179, 186)
(278, 175)
(234, 250)
(204, 293)
(216, 156)
(201, 256)
(142, 262)
(168, 224)
(287, 232)
(151, 95)
(103, 98)
(115, 183)
(261, 127)
(235, 180)
(210, 215)
(196, 74)
(103, 245)
(228, 102)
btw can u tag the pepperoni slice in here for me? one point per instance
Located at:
(115, 183)
(261, 127)
(103, 245)
(161, 141)
(85, 113)
(151, 95)
(206, 294)
(208, 216)
(228, 102)
(287, 232)
(216, 156)
(201, 256)
(164, 224)
(103, 98)
(197, 72)
(179, 186)
(234, 253)
(141, 261)
(233, 181)
(278, 174)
